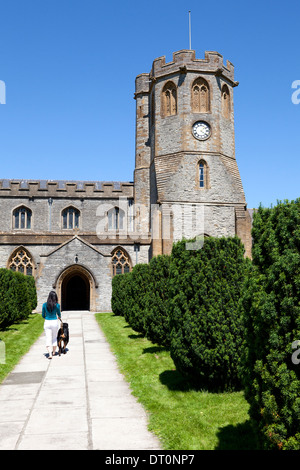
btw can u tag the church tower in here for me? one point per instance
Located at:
(186, 168)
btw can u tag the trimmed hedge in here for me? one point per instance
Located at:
(135, 297)
(141, 296)
(271, 304)
(156, 314)
(229, 322)
(17, 296)
(188, 302)
(206, 323)
(118, 293)
(8, 307)
(22, 296)
(32, 292)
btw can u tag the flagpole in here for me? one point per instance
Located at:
(190, 30)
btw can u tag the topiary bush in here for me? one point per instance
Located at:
(156, 315)
(118, 293)
(8, 306)
(17, 296)
(135, 297)
(32, 292)
(206, 324)
(271, 305)
(21, 296)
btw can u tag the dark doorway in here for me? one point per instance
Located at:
(76, 293)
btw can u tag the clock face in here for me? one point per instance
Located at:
(201, 130)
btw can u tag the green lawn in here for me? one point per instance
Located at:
(17, 339)
(182, 417)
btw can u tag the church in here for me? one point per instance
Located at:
(74, 236)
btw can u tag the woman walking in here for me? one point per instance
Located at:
(51, 313)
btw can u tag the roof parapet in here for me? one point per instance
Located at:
(212, 62)
(61, 188)
(185, 61)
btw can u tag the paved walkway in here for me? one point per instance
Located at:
(76, 401)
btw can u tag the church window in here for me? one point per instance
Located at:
(21, 261)
(169, 99)
(120, 262)
(70, 218)
(115, 219)
(203, 174)
(200, 96)
(225, 102)
(22, 218)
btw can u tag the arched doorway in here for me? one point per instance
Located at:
(75, 293)
(75, 288)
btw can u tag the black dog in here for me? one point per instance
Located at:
(62, 338)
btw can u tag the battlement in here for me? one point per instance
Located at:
(185, 61)
(59, 188)
(142, 83)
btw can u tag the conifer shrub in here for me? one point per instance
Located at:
(21, 296)
(118, 293)
(136, 298)
(206, 327)
(156, 315)
(128, 299)
(8, 306)
(32, 292)
(17, 296)
(271, 304)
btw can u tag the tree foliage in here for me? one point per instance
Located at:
(118, 293)
(156, 315)
(17, 296)
(271, 304)
(135, 297)
(206, 325)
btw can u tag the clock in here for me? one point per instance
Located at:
(201, 130)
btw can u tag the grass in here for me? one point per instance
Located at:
(182, 417)
(18, 338)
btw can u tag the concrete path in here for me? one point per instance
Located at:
(76, 401)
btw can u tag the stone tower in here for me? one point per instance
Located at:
(185, 167)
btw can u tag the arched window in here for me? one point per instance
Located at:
(225, 101)
(200, 96)
(120, 261)
(169, 99)
(203, 174)
(22, 218)
(115, 219)
(21, 261)
(70, 218)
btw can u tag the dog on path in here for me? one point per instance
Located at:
(62, 338)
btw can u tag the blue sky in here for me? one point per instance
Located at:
(70, 65)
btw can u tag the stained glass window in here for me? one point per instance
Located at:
(120, 262)
(21, 261)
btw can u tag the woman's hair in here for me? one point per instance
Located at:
(52, 301)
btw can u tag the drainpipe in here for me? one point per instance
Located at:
(136, 249)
